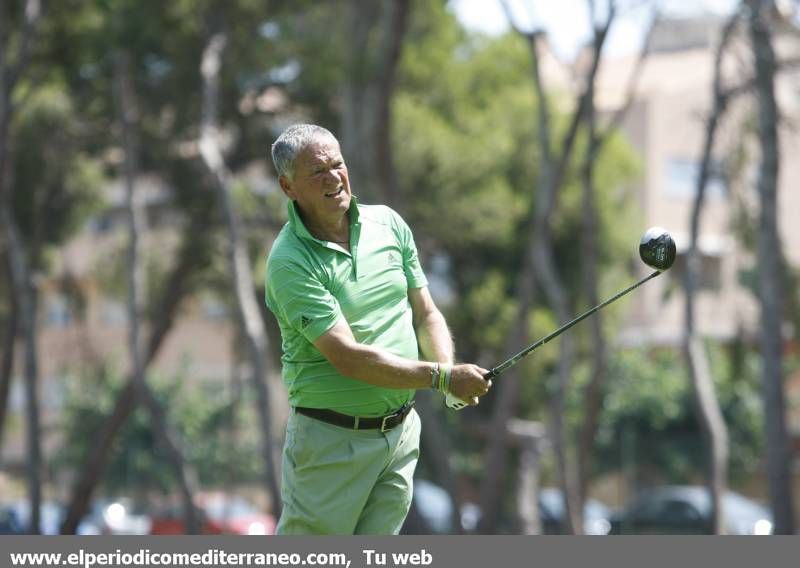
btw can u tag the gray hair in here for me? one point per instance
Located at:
(292, 141)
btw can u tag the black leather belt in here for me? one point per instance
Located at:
(382, 423)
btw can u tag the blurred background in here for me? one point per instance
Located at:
(528, 144)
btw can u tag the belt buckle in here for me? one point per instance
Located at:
(402, 411)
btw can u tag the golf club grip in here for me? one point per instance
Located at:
(497, 370)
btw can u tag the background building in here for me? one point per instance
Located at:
(666, 125)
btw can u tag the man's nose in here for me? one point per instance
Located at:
(332, 176)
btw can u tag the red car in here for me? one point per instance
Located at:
(223, 515)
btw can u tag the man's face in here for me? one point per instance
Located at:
(320, 185)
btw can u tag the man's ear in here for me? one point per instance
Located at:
(286, 186)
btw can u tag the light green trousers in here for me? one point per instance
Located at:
(341, 481)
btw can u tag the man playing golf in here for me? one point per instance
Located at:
(351, 299)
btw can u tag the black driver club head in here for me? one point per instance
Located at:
(657, 248)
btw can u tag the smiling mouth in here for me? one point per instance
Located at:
(339, 190)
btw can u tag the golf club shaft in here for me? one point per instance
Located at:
(513, 360)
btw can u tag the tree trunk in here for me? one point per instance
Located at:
(770, 281)
(593, 397)
(552, 167)
(25, 296)
(366, 114)
(28, 308)
(127, 117)
(506, 397)
(24, 290)
(594, 391)
(715, 431)
(553, 289)
(530, 438)
(250, 322)
(397, 25)
(508, 387)
(7, 357)
(707, 406)
(538, 263)
(194, 255)
(10, 74)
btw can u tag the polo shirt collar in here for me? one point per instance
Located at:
(299, 228)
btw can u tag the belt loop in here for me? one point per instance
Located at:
(355, 423)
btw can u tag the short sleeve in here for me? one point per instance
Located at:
(411, 265)
(298, 298)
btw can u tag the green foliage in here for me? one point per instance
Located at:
(489, 309)
(56, 184)
(649, 420)
(466, 154)
(465, 137)
(112, 272)
(203, 417)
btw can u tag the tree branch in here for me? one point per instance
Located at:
(33, 13)
(250, 320)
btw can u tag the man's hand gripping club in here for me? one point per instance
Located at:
(467, 385)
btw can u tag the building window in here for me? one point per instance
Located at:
(710, 278)
(17, 397)
(57, 312)
(681, 179)
(55, 393)
(100, 224)
(113, 313)
(214, 310)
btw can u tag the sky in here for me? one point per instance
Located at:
(567, 21)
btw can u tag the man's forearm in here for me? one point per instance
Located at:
(379, 367)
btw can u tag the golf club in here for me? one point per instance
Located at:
(656, 249)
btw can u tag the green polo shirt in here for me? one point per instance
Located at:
(311, 284)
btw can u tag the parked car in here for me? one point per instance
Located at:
(433, 506)
(114, 516)
(50, 516)
(9, 521)
(687, 510)
(596, 514)
(223, 515)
